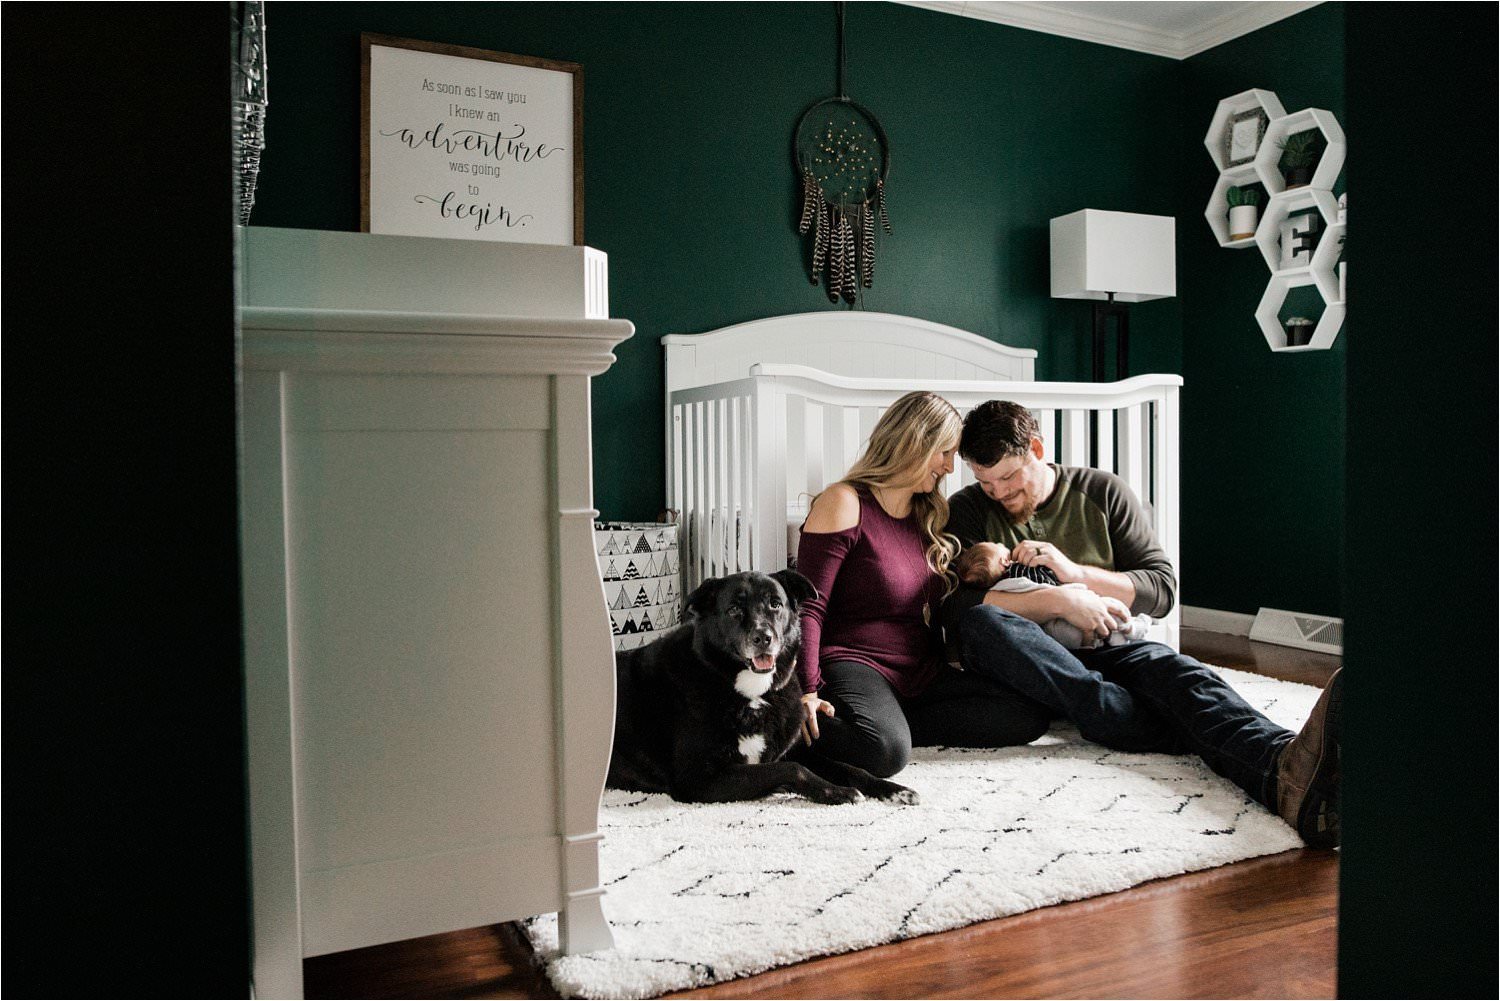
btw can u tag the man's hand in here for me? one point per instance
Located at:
(1093, 614)
(1045, 554)
(811, 707)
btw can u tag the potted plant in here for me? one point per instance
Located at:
(1298, 331)
(1243, 212)
(1299, 151)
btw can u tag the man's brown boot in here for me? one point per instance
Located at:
(1307, 773)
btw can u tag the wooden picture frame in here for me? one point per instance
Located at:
(469, 143)
(1243, 133)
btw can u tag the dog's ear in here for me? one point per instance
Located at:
(701, 601)
(797, 587)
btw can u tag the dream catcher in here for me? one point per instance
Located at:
(842, 157)
(248, 38)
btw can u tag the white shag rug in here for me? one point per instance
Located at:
(699, 894)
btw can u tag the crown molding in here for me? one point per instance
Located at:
(1240, 23)
(1107, 31)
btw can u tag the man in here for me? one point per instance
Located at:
(1086, 526)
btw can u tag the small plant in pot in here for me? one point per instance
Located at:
(1243, 212)
(1298, 331)
(1299, 153)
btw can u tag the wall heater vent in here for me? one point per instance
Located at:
(1309, 632)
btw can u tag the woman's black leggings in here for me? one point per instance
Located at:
(875, 729)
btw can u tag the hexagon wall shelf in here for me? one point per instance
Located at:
(1268, 315)
(1268, 232)
(1217, 212)
(1268, 158)
(1249, 100)
(1325, 262)
(1321, 270)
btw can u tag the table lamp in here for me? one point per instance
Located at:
(1114, 258)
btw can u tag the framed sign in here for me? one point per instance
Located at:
(1243, 136)
(469, 144)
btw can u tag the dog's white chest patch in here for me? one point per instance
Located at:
(752, 748)
(752, 685)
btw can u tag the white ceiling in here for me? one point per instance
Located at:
(1177, 30)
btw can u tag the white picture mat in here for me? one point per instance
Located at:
(470, 149)
(1245, 139)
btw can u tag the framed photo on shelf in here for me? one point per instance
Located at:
(469, 143)
(1243, 135)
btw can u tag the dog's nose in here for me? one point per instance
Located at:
(763, 638)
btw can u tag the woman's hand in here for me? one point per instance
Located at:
(811, 707)
(1094, 614)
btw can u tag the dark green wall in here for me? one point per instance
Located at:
(688, 111)
(688, 114)
(125, 866)
(1417, 876)
(1262, 432)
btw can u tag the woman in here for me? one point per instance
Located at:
(872, 662)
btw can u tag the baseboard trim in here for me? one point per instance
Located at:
(1216, 621)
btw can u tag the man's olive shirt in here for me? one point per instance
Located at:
(1092, 516)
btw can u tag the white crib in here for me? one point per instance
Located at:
(763, 415)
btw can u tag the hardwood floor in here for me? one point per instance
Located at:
(1261, 928)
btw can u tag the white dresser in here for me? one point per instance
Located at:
(430, 682)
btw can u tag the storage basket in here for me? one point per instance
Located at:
(638, 563)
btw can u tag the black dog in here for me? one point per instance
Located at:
(710, 711)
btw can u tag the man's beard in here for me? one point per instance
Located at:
(1022, 516)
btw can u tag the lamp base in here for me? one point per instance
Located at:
(1103, 311)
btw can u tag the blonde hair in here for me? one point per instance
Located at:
(911, 431)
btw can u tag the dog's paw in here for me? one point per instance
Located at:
(833, 795)
(890, 792)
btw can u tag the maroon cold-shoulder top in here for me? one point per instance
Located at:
(873, 584)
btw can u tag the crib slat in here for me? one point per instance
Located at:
(850, 443)
(732, 464)
(731, 513)
(836, 455)
(747, 483)
(674, 457)
(710, 501)
(1047, 423)
(1104, 435)
(692, 510)
(769, 539)
(687, 553)
(814, 470)
(1075, 437)
(961, 477)
(962, 474)
(1133, 449)
(868, 418)
(700, 476)
(797, 444)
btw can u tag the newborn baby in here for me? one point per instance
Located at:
(988, 564)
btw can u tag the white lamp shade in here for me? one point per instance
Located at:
(1095, 253)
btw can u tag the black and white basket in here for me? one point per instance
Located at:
(638, 563)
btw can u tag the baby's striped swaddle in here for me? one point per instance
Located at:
(1035, 574)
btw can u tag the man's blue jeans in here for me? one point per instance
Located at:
(1137, 697)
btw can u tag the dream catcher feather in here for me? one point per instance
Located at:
(842, 159)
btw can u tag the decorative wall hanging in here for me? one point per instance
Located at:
(843, 159)
(247, 34)
(470, 144)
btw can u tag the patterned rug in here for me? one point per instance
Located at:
(699, 894)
